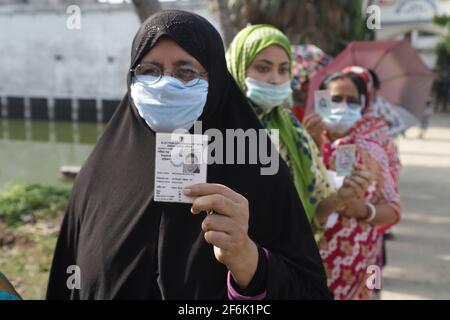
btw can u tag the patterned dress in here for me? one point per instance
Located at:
(348, 246)
(317, 187)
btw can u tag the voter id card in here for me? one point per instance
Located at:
(181, 161)
(345, 159)
(322, 103)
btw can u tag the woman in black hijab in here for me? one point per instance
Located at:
(128, 246)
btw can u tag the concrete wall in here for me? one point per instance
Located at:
(50, 71)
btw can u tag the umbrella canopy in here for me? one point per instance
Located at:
(408, 120)
(308, 58)
(397, 118)
(404, 78)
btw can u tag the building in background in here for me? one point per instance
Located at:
(412, 19)
(51, 72)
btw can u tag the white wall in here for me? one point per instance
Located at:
(32, 38)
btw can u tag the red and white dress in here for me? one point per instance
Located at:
(348, 246)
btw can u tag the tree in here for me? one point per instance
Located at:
(145, 8)
(443, 47)
(228, 29)
(442, 83)
(328, 24)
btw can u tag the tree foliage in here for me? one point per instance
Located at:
(443, 47)
(328, 24)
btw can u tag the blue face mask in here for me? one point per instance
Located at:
(343, 116)
(265, 95)
(168, 104)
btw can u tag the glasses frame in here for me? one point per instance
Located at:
(201, 76)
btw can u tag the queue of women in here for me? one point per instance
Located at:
(297, 234)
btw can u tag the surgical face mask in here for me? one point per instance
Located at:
(267, 95)
(168, 104)
(343, 115)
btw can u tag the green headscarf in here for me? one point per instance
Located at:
(248, 43)
(296, 147)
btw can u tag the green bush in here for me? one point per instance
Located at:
(21, 203)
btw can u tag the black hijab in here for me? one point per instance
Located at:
(129, 247)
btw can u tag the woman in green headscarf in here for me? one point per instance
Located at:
(260, 58)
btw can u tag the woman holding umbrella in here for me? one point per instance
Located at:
(352, 238)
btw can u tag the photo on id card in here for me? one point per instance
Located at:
(180, 162)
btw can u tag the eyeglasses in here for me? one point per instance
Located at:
(185, 73)
(339, 99)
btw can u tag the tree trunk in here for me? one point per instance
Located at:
(145, 8)
(228, 30)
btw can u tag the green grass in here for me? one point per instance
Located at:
(30, 216)
(22, 203)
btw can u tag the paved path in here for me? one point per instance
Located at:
(419, 256)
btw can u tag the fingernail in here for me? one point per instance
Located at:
(187, 191)
(192, 210)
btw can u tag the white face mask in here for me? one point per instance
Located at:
(265, 95)
(344, 115)
(168, 104)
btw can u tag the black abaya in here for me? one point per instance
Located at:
(129, 247)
